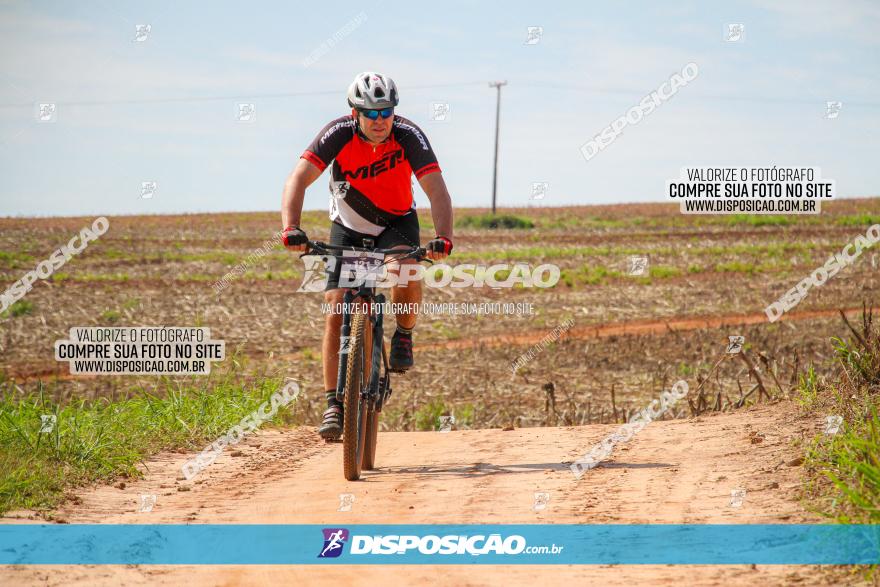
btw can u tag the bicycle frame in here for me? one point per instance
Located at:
(379, 387)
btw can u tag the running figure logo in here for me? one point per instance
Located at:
(318, 270)
(334, 540)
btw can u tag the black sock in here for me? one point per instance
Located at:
(406, 331)
(331, 398)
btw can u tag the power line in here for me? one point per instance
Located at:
(226, 98)
(636, 92)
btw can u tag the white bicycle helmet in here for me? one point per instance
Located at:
(372, 91)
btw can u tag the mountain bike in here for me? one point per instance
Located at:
(363, 382)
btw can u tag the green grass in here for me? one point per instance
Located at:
(774, 250)
(230, 259)
(663, 271)
(854, 468)
(19, 308)
(99, 441)
(750, 268)
(849, 459)
(598, 275)
(88, 277)
(131, 303)
(858, 220)
(13, 260)
(685, 370)
(427, 417)
(270, 275)
(587, 274)
(808, 388)
(494, 221)
(588, 222)
(759, 220)
(735, 267)
(445, 330)
(111, 316)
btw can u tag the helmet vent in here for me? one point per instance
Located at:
(372, 91)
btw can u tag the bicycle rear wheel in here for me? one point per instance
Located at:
(369, 461)
(357, 408)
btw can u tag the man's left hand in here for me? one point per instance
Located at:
(439, 248)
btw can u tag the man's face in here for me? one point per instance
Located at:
(376, 130)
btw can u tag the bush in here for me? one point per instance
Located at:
(493, 221)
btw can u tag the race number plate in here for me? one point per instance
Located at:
(361, 267)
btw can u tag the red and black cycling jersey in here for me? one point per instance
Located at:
(370, 185)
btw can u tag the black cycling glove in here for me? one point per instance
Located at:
(294, 235)
(440, 244)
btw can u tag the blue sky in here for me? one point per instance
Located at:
(164, 109)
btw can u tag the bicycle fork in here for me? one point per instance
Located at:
(376, 357)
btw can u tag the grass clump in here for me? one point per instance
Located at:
(847, 453)
(427, 417)
(19, 308)
(111, 316)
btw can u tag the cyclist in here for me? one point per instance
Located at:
(374, 152)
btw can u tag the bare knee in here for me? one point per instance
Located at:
(406, 273)
(334, 316)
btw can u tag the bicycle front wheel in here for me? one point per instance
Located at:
(357, 409)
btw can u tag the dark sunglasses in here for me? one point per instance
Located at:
(374, 114)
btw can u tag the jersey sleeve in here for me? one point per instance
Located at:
(416, 148)
(327, 144)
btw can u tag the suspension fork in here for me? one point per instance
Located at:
(377, 344)
(344, 344)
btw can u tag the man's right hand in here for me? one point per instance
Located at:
(294, 238)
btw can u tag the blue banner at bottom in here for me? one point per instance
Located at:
(545, 544)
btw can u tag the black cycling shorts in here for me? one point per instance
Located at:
(402, 231)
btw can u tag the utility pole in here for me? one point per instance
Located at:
(497, 86)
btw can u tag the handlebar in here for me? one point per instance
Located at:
(313, 247)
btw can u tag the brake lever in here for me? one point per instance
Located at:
(420, 258)
(312, 251)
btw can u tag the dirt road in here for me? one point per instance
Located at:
(680, 471)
